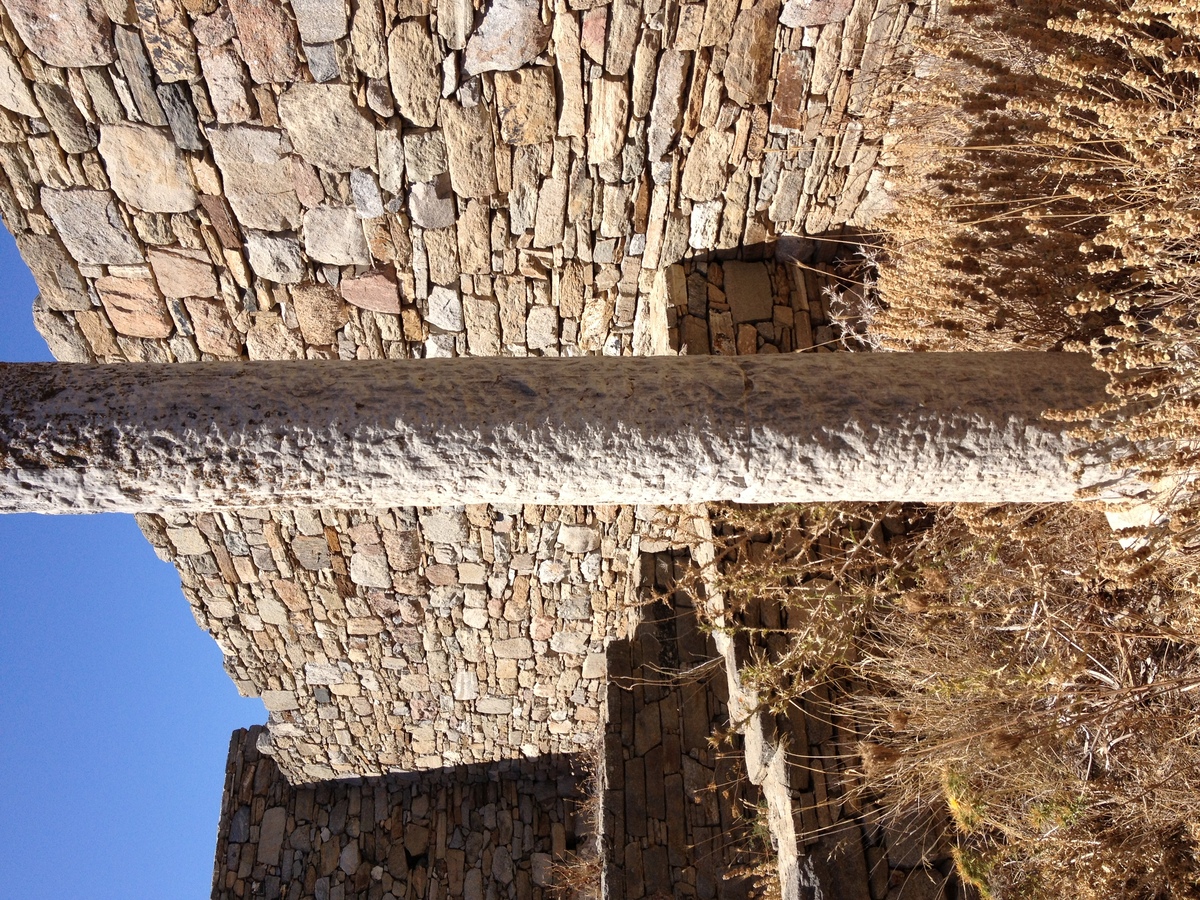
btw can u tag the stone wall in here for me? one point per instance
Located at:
(466, 832)
(677, 812)
(388, 640)
(197, 179)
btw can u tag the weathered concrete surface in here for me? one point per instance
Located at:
(797, 428)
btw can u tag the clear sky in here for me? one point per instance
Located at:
(115, 713)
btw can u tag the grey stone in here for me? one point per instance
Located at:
(511, 34)
(312, 552)
(323, 673)
(806, 13)
(334, 234)
(59, 281)
(444, 526)
(320, 21)
(327, 128)
(432, 204)
(425, 155)
(73, 133)
(445, 309)
(365, 191)
(181, 116)
(466, 685)
(369, 567)
(270, 835)
(65, 340)
(578, 538)
(91, 227)
(541, 328)
(322, 62)
(138, 75)
(275, 257)
(146, 169)
(279, 701)
(666, 112)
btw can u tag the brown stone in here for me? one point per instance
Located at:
(168, 38)
(73, 33)
(58, 106)
(415, 73)
(525, 105)
(135, 307)
(183, 273)
(270, 338)
(791, 90)
(222, 221)
(257, 176)
(751, 49)
(61, 285)
(511, 34)
(146, 168)
(14, 89)
(327, 128)
(215, 333)
(320, 312)
(593, 33)
(624, 26)
(704, 170)
(469, 149)
(269, 40)
(718, 17)
(99, 333)
(368, 38)
(375, 291)
(474, 244)
(748, 291)
(571, 120)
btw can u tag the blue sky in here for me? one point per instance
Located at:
(115, 713)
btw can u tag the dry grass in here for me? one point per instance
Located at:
(1050, 198)
(1013, 673)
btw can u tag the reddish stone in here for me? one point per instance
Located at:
(72, 33)
(375, 291)
(135, 307)
(269, 40)
(215, 333)
(791, 90)
(183, 273)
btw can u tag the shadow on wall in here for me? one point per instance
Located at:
(479, 832)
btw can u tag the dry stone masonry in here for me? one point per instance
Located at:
(391, 179)
(269, 180)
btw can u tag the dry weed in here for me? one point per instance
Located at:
(1051, 199)
(1010, 671)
